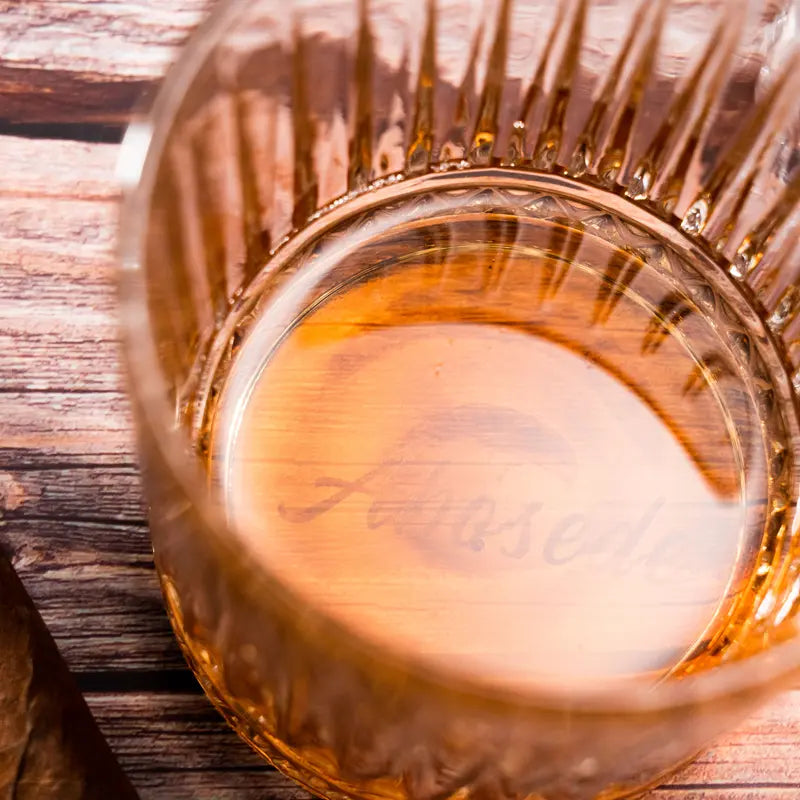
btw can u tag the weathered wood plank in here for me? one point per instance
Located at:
(95, 586)
(183, 732)
(70, 550)
(222, 785)
(30, 366)
(58, 326)
(75, 493)
(72, 61)
(72, 170)
(71, 226)
(70, 496)
(78, 424)
(175, 746)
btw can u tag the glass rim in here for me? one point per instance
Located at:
(138, 161)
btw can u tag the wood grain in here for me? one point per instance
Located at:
(72, 512)
(57, 205)
(155, 737)
(72, 508)
(67, 61)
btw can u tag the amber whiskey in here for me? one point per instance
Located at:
(493, 439)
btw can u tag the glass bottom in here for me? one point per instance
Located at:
(508, 434)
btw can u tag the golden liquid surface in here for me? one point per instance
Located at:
(469, 454)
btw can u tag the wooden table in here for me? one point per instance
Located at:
(71, 510)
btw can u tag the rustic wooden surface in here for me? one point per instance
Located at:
(71, 510)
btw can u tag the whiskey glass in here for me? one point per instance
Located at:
(464, 346)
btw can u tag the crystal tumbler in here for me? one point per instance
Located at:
(464, 344)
